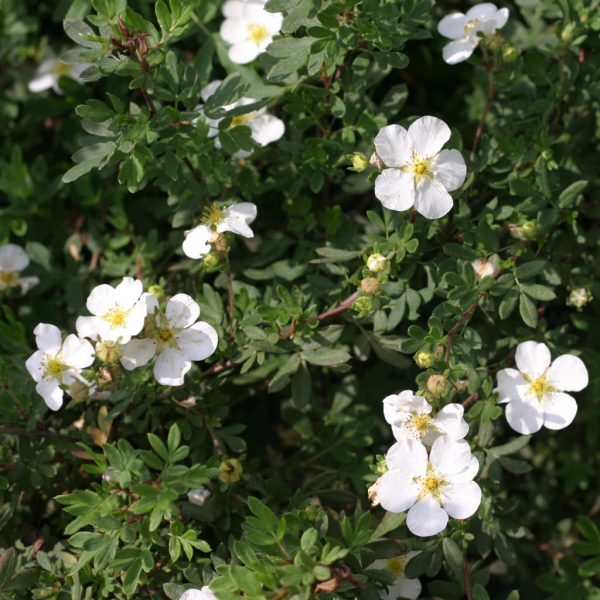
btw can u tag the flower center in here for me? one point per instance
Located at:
(115, 317)
(61, 68)
(397, 565)
(257, 33)
(431, 484)
(419, 167)
(212, 215)
(540, 387)
(54, 368)
(8, 278)
(421, 422)
(242, 119)
(165, 335)
(470, 26)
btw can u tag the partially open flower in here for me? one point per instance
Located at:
(404, 587)
(199, 496)
(486, 267)
(13, 260)
(579, 297)
(376, 263)
(230, 470)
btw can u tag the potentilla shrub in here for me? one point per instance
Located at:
(297, 299)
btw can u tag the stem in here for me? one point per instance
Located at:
(149, 102)
(467, 579)
(343, 307)
(463, 319)
(37, 433)
(490, 96)
(217, 368)
(470, 399)
(193, 171)
(213, 436)
(230, 302)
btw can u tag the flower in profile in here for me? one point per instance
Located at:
(56, 364)
(464, 29)
(175, 338)
(205, 593)
(411, 418)
(199, 496)
(49, 73)
(486, 267)
(578, 297)
(416, 171)
(248, 28)
(13, 260)
(216, 220)
(534, 392)
(432, 488)
(265, 127)
(403, 587)
(118, 312)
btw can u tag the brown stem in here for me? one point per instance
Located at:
(37, 433)
(490, 96)
(213, 436)
(470, 399)
(149, 101)
(218, 368)
(463, 319)
(467, 579)
(342, 307)
(193, 171)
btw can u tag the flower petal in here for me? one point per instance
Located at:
(398, 406)
(428, 136)
(234, 30)
(482, 11)
(408, 457)
(458, 51)
(453, 26)
(35, 365)
(182, 311)
(396, 492)
(461, 500)
(197, 241)
(42, 82)
(91, 327)
(26, 283)
(136, 353)
(395, 189)
(432, 200)
(199, 341)
(101, 299)
(77, 353)
(559, 410)
(449, 421)
(393, 146)
(449, 169)
(567, 373)
(50, 391)
(532, 358)
(266, 129)
(450, 457)
(524, 417)
(426, 517)
(48, 338)
(13, 258)
(170, 367)
(501, 17)
(406, 588)
(128, 292)
(237, 219)
(509, 383)
(242, 53)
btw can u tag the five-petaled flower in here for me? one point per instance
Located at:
(216, 219)
(403, 587)
(57, 363)
(416, 171)
(175, 337)
(464, 29)
(48, 75)
(411, 418)
(534, 392)
(118, 312)
(205, 593)
(249, 28)
(433, 487)
(13, 260)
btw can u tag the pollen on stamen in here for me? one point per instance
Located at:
(212, 215)
(115, 317)
(257, 33)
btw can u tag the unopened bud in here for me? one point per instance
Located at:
(424, 359)
(372, 493)
(79, 391)
(566, 36)
(210, 262)
(108, 352)
(530, 230)
(437, 385)
(510, 53)
(363, 304)
(579, 297)
(157, 290)
(370, 286)
(486, 268)
(230, 470)
(360, 162)
(220, 244)
(376, 263)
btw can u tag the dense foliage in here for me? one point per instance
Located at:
(280, 432)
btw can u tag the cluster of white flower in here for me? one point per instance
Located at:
(13, 260)
(204, 593)
(174, 338)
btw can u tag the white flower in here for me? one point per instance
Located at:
(199, 496)
(404, 587)
(13, 260)
(534, 392)
(411, 419)
(57, 364)
(463, 29)
(119, 312)
(578, 297)
(203, 594)
(235, 218)
(376, 263)
(417, 171)
(175, 338)
(249, 28)
(486, 267)
(50, 71)
(430, 488)
(265, 127)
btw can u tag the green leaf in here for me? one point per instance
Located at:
(81, 33)
(590, 567)
(509, 448)
(301, 386)
(569, 194)
(158, 446)
(174, 438)
(528, 311)
(163, 16)
(263, 512)
(308, 539)
(390, 522)
(538, 292)
(326, 357)
(453, 555)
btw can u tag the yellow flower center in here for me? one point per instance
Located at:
(54, 368)
(539, 387)
(470, 26)
(165, 335)
(242, 119)
(61, 68)
(421, 422)
(8, 278)
(212, 215)
(257, 33)
(419, 167)
(115, 317)
(397, 565)
(431, 484)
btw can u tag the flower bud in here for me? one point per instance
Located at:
(372, 493)
(210, 262)
(108, 352)
(376, 263)
(360, 162)
(486, 268)
(199, 496)
(530, 230)
(424, 359)
(220, 244)
(79, 391)
(363, 304)
(157, 290)
(370, 286)
(377, 162)
(510, 53)
(230, 470)
(579, 297)
(566, 36)
(437, 385)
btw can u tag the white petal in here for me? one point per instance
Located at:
(426, 517)
(428, 136)
(267, 129)
(234, 30)
(35, 365)
(524, 417)
(137, 353)
(135, 320)
(395, 189)
(396, 492)
(233, 9)
(199, 341)
(559, 410)
(243, 52)
(101, 299)
(501, 17)
(409, 457)
(209, 89)
(449, 421)
(196, 243)
(77, 353)
(42, 82)
(449, 169)
(50, 391)
(170, 367)
(450, 457)
(128, 292)
(532, 358)
(90, 327)
(237, 219)
(567, 373)
(150, 301)
(509, 383)
(482, 11)
(393, 146)
(461, 500)
(13, 258)
(27, 283)
(453, 26)
(182, 311)
(458, 51)
(399, 406)
(406, 588)
(48, 338)
(432, 200)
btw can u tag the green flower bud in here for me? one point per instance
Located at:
(363, 304)
(530, 230)
(510, 53)
(230, 470)
(424, 359)
(376, 263)
(157, 290)
(108, 352)
(360, 162)
(210, 262)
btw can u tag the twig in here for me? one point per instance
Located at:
(193, 171)
(467, 579)
(213, 436)
(490, 96)
(470, 399)
(463, 319)
(218, 368)
(148, 99)
(37, 433)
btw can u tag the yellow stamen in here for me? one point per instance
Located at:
(421, 422)
(54, 368)
(212, 215)
(242, 119)
(257, 33)
(61, 68)
(539, 387)
(431, 484)
(419, 167)
(470, 26)
(165, 335)
(397, 565)
(8, 278)
(115, 317)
